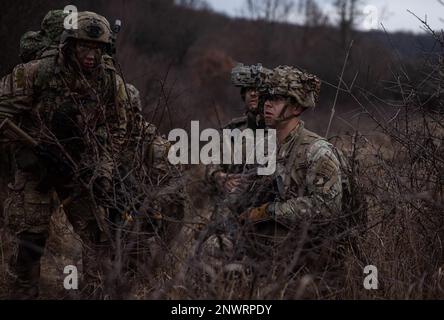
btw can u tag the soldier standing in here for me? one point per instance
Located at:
(74, 104)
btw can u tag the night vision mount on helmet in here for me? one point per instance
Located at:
(90, 27)
(248, 76)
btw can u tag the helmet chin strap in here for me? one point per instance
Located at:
(281, 117)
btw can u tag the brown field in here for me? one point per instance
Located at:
(403, 237)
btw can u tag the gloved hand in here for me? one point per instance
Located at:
(228, 182)
(156, 215)
(128, 217)
(154, 210)
(254, 215)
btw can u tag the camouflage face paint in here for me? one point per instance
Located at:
(88, 54)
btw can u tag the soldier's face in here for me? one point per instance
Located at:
(88, 54)
(277, 108)
(251, 99)
(273, 108)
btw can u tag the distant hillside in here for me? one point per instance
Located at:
(181, 58)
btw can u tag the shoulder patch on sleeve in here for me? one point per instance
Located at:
(318, 149)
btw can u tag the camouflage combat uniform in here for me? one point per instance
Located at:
(308, 175)
(33, 44)
(146, 145)
(53, 102)
(243, 77)
(233, 203)
(308, 189)
(302, 206)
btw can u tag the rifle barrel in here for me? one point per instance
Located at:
(9, 125)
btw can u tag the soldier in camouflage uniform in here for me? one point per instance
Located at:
(308, 174)
(308, 187)
(33, 44)
(229, 177)
(235, 180)
(145, 139)
(72, 102)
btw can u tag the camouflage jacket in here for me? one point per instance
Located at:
(49, 98)
(145, 146)
(308, 177)
(248, 121)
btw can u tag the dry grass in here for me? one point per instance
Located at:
(404, 240)
(400, 168)
(402, 180)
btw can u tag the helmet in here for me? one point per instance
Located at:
(52, 24)
(91, 27)
(248, 76)
(31, 44)
(295, 83)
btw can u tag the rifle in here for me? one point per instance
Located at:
(15, 132)
(62, 171)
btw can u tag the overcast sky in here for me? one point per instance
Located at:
(391, 13)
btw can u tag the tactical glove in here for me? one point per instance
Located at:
(255, 215)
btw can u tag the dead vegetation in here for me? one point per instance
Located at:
(397, 156)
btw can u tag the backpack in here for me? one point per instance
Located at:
(34, 43)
